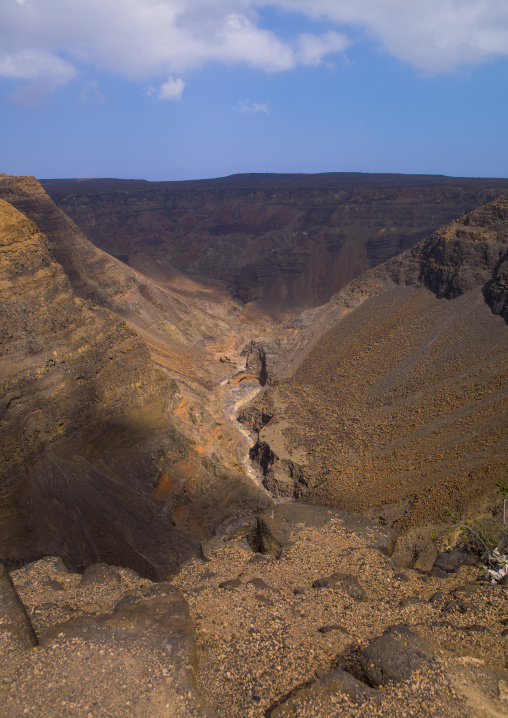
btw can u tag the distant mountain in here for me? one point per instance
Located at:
(281, 242)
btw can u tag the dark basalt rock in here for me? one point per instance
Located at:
(344, 582)
(395, 655)
(277, 526)
(321, 693)
(231, 584)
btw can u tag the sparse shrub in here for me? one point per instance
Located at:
(488, 539)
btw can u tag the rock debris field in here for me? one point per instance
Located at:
(302, 614)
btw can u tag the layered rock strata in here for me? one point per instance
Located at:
(84, 427)
(280, 241)
(178, 443)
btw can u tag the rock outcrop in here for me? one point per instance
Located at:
(280, 241)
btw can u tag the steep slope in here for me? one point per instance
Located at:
(193, 331)
(86, 426)
(172, 312)
(395, 395)
(279, 241)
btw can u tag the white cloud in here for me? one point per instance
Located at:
(49, 41)
(248, 106)
(312, 49)
(147, 40)
(35, 64)
(433, 35)
(44, 71)
(172, 89)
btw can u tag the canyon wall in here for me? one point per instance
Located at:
(393, 398)
(280, 241)
(103, 457)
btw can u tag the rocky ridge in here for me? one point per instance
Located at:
(190, 444)
(102, 455)
(84, 419)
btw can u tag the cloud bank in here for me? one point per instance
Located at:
(432, 35)
(48, 42)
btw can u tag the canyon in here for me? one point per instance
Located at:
(281, 242)
(356, 325)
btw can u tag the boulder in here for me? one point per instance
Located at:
(395, 655)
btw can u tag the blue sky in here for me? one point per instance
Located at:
(185, 89)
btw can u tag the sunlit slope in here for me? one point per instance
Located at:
(404, 398)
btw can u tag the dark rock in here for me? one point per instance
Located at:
(279, 524)
(342, 581)
(273, 535)
(54, 585)
(231, 584)
(451, 561)
(247, 531)
(127, 600)
(475, 628)
(415, 549)
(160, 622)
(450, 606)
(99, 574)
(322, 692)
(438, 572)
(395, 655)
(401, 577)
(49, 564)
(14, 622)
(437, 596)
(467, 588)
(410, 601)
(455, 606)
(207, 574)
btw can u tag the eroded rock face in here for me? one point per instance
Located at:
(287, 241)
(392, 399)
(84, 429)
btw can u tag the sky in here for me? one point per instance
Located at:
(189, 89)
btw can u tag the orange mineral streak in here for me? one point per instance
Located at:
(200, 449)
(180, 409)
(164, 487)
